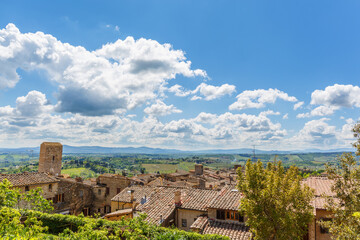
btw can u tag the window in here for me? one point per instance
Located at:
(53, 158)
(239, 217)
(231, 215)
(107, 191)
(183, 222)
(99, 192)
(220, 214)
(59, 198)
(324, 229)
(99, 210)
(118, 190)
(50, 187)
(26, 188)
(107, 209)
(86, 211)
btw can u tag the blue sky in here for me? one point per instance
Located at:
(180, 74)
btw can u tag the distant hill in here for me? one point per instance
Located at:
(146, 150)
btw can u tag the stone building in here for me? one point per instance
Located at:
(185, 208)
(27, 181)
(50, 158)
(321, 186)
(107, 186)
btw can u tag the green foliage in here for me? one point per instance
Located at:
(79, 227)
(8, 197)
(275, 203)
(345, 205)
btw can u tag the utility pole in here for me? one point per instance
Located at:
(254, 155)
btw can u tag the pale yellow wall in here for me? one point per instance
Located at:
(189, 215)
(119, 205)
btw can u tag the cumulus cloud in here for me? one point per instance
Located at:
(161, 109)
(179, 91)
(319, 111)
(120, 75)
(203, 91)
(317, 132)
(332, 99)
(337, 96)
(298, 105)
(210, 92)
(258, 98)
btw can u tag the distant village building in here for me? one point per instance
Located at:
(201, 200)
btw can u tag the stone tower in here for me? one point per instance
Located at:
(50, 158)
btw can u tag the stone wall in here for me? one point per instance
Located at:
(50, 158)
(113, 184)
(76, 196)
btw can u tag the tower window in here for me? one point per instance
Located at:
(53, 158)
(50, 187)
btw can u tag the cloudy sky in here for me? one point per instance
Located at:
(180, 74)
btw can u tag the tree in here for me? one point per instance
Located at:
(345, 204)
(276, 204)
(13, 225)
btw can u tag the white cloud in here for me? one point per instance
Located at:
(120, 75)
(258, 98)
(337, 96)
(298, 105)
(161, 109)
(207, 92)
(317, 132)
(286, 116)
(319, 111)
(179, 91)
(332, 99)
(211, 92)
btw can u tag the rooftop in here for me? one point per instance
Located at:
(228, 198)
(28, 178)
(235, 231)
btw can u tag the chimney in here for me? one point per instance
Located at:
(236, 166)
(132, 195)
(177, 198)
(199, 169)
(202, 183)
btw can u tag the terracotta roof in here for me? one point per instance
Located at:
(159, 205)
(228, 199)
(235, 231)
(321, 185)
(139, 192)
(160, 200)
(197, 199)
(28, 178)
(199, 223)
(119, 212)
